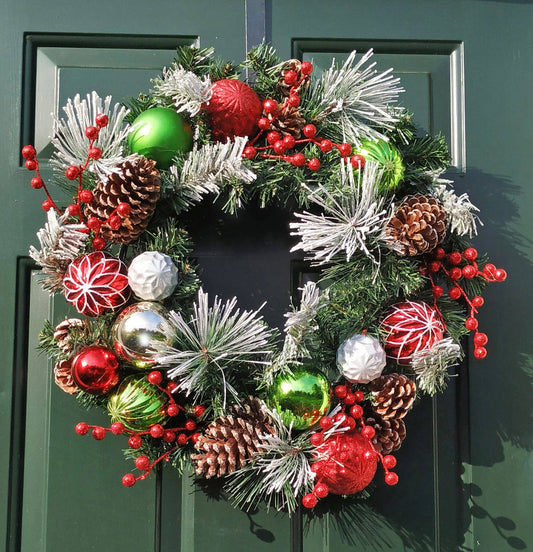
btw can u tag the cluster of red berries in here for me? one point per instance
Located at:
(75, 172)
(461, 265)
(180, 435)
(348, 418)
(278, 147)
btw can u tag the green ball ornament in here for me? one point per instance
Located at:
(137, 404)
(389, 160)
(159, 134)
(301, 398)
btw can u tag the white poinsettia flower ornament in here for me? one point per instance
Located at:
(361, 358)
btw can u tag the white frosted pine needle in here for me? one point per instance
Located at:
(459, 210)
(69, 134)
(431, 365)
(356, 97)
(349, 221)
(60, 244)
(187, 91)
(208, 343)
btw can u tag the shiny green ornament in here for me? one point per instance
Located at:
(159, 134)
(389, 159)
(137, 404)
(301, 398)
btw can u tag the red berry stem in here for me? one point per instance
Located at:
(130, 479)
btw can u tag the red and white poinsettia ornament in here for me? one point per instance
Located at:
(411, 327)
(96, 283)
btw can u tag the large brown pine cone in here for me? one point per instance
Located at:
(394, 395)
(231, 440)
(294, 65)
(63, 377)
(418, 225)
(389, 434)
(137, 182)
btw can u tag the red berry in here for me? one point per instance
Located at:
(249, 152)
(82, 428)
(273, 137)
(195, 437)
(36, 182)
(368, 432)
(340, 391)
(455, 273)
(98, 243)
(28, 152)
(135, 441)
(169, 436)
(455, 257)
(500, 275)
(290, 76)
(437, 292)
(92, 132)
(391, 478)
(86, 196)
(345, 149)
(469, 271)
(98, 433)
(293, 100)
(309, 500)
(439, 253)
(316, 439)
(313, 164)
(115, 222)
(270, 106)
(471, 323)
(389, 461)
(73, 210)
(454, 293)
(480, 352)
(157, 431)
(101, 120)
(340, 418)
(489, 269)
(326, 422)
(117, 428)
(199, 410)
(298, 160)
(124, 209)
(129, 480)
(279, 147)
(434, 266)
(182, 439)
(155, 377)
(349, 399)
(94, 224)
(95, 153)
(470, 254)
(358, 161)
(173, 410)
(359, 396)
(309, 131)
(306, 67)
(316, 467)
(30, 164)
(171, 386)
(480, 339)
(478, 301)
(289, 141)
(72, 172)
(325, 145)
(349, 423)
(47, 204)
(321, 490)
(263, 123)
(190, 425)
(142, 462)
(356, 411)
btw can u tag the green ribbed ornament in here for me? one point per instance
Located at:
(137, 404)
(389, 160)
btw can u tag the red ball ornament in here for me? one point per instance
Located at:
(411, 327)
(95, 370)
(344, 465)
(95, 283)
(234, 109)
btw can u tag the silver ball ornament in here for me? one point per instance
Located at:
(361, 358)
(152, 276)
(137, 329)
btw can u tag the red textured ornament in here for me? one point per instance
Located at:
(95, 370)
(95, 283)
(234, 109)
(129, 480)
(347, 463)
(411, 327)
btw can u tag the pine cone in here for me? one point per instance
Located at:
(394, 395)
(418, 225)
(63, 333)
(288, 122)
(294, 65)
(389, 434)
(231, 440)
(137, 183)
(63, 377)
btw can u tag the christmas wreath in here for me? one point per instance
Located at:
(277, 418)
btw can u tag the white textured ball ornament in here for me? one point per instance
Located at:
(152, 276)
(361, 358)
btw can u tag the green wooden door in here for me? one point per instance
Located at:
(466, 466)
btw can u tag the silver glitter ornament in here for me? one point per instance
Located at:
(361, 358)
(152, 276)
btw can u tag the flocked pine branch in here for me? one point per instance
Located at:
(356, 97)
(60, 244)
(349, 220)
(69, 135)
(208, 347)
(187, 91)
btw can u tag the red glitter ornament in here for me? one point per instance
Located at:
(411, 327)
(234, 109)
(95, 370)
(347, 463)
(96, 282)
